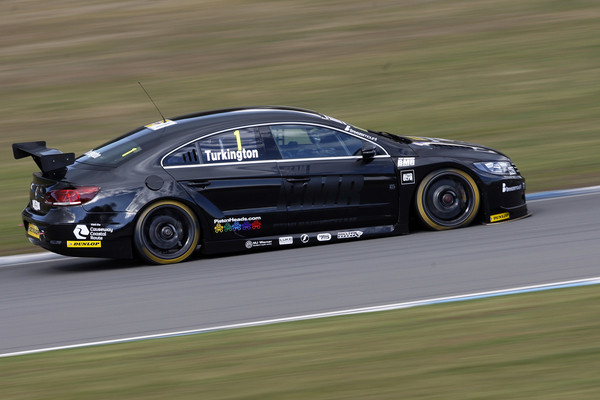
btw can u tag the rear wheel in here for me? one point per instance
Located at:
(447, 199)
(167, 232)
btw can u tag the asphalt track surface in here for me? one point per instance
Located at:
(63, 301)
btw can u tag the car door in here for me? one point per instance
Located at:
(328, 183)
(234, 180)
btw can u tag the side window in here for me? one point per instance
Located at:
(306, 141)
(232, 146)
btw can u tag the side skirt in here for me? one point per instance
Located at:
(301, 240)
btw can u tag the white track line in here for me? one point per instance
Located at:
(387, 307)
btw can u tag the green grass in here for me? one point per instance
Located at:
(541, 345)
(521, 76)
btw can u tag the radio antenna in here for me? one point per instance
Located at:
(157, 109)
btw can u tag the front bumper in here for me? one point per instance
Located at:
(504, 199)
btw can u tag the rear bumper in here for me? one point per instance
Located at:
(74, 232)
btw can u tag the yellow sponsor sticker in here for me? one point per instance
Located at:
(33, 230)
(499, 217)
(84, 243)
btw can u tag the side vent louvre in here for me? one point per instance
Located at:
(190, 157)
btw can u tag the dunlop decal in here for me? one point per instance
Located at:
(499, 217)
(84, 243)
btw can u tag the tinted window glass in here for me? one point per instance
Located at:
(232, 146)
(186, 155)
(120, 149)
(306, 141)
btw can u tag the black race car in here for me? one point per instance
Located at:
(253, 178)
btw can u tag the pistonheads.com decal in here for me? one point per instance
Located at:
(225, 225)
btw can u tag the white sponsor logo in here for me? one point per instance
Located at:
(408, 177)
(286, 240)
(304, 238)
(98, 232)
(231, 155)
(258, 243)
(323, 237)
(95, 232)
(351, 129)
(506, 189)
(349, 234)
(36, 205)
(81, 232)
(406, 162)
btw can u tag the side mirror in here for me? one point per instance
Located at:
(369, 150)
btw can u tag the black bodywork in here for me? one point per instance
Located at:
(249, 185)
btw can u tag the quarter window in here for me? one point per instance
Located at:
(307, 141)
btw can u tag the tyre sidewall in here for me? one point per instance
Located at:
(421, 199)
(139, 242)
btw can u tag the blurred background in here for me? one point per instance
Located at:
(519, 76)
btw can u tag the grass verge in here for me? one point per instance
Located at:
(541, 345)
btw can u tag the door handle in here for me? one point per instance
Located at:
(297, 180)
(198, 184)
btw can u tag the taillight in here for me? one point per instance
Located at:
(71, 197)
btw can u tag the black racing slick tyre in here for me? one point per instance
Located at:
(166, 232)
(447, 199)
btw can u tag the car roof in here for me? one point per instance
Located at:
(256, 110)
(189, 126)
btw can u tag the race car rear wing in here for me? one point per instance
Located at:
(47, 160)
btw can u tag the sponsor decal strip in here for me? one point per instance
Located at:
(386, 307)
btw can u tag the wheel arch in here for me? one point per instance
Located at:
(425, 171)
(193, 208)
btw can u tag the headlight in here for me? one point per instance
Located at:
(496, 167)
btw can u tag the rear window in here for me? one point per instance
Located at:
(120, 149)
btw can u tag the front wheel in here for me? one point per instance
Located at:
(166, 232)
(447, 199)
